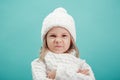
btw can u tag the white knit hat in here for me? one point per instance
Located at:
(59, 17)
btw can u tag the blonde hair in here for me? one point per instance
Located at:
(44, 48)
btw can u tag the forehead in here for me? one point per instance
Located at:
(58, 30)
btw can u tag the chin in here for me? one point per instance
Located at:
(59, 51)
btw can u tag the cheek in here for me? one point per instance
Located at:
(67, 42)
(49, 42)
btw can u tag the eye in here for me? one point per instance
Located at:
(52, 35)
(64, 35)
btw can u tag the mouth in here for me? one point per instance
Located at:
(58, 46)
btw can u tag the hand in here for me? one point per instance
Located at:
(84, 71)
(51, 74)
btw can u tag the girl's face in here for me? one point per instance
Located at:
(58, 40)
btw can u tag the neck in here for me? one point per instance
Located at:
(73, 52)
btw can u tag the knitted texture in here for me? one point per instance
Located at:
(66, 66)
(53, 61)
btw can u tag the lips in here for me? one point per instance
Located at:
(58, 46)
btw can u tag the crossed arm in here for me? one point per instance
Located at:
(52, 74)
(40, 72)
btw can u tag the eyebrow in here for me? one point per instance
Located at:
(66, 33)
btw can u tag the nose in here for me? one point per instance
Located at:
(58, 40)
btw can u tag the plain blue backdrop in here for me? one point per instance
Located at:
(98, 35)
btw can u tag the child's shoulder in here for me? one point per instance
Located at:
(37, 61)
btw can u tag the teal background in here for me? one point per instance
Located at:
(98, 35)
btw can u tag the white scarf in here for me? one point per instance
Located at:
(54, 61)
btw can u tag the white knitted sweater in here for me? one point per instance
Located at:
(66, 66)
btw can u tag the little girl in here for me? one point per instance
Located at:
(59, 56)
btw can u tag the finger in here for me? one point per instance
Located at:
(82, 71)
(86, 72)
(48, 75)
